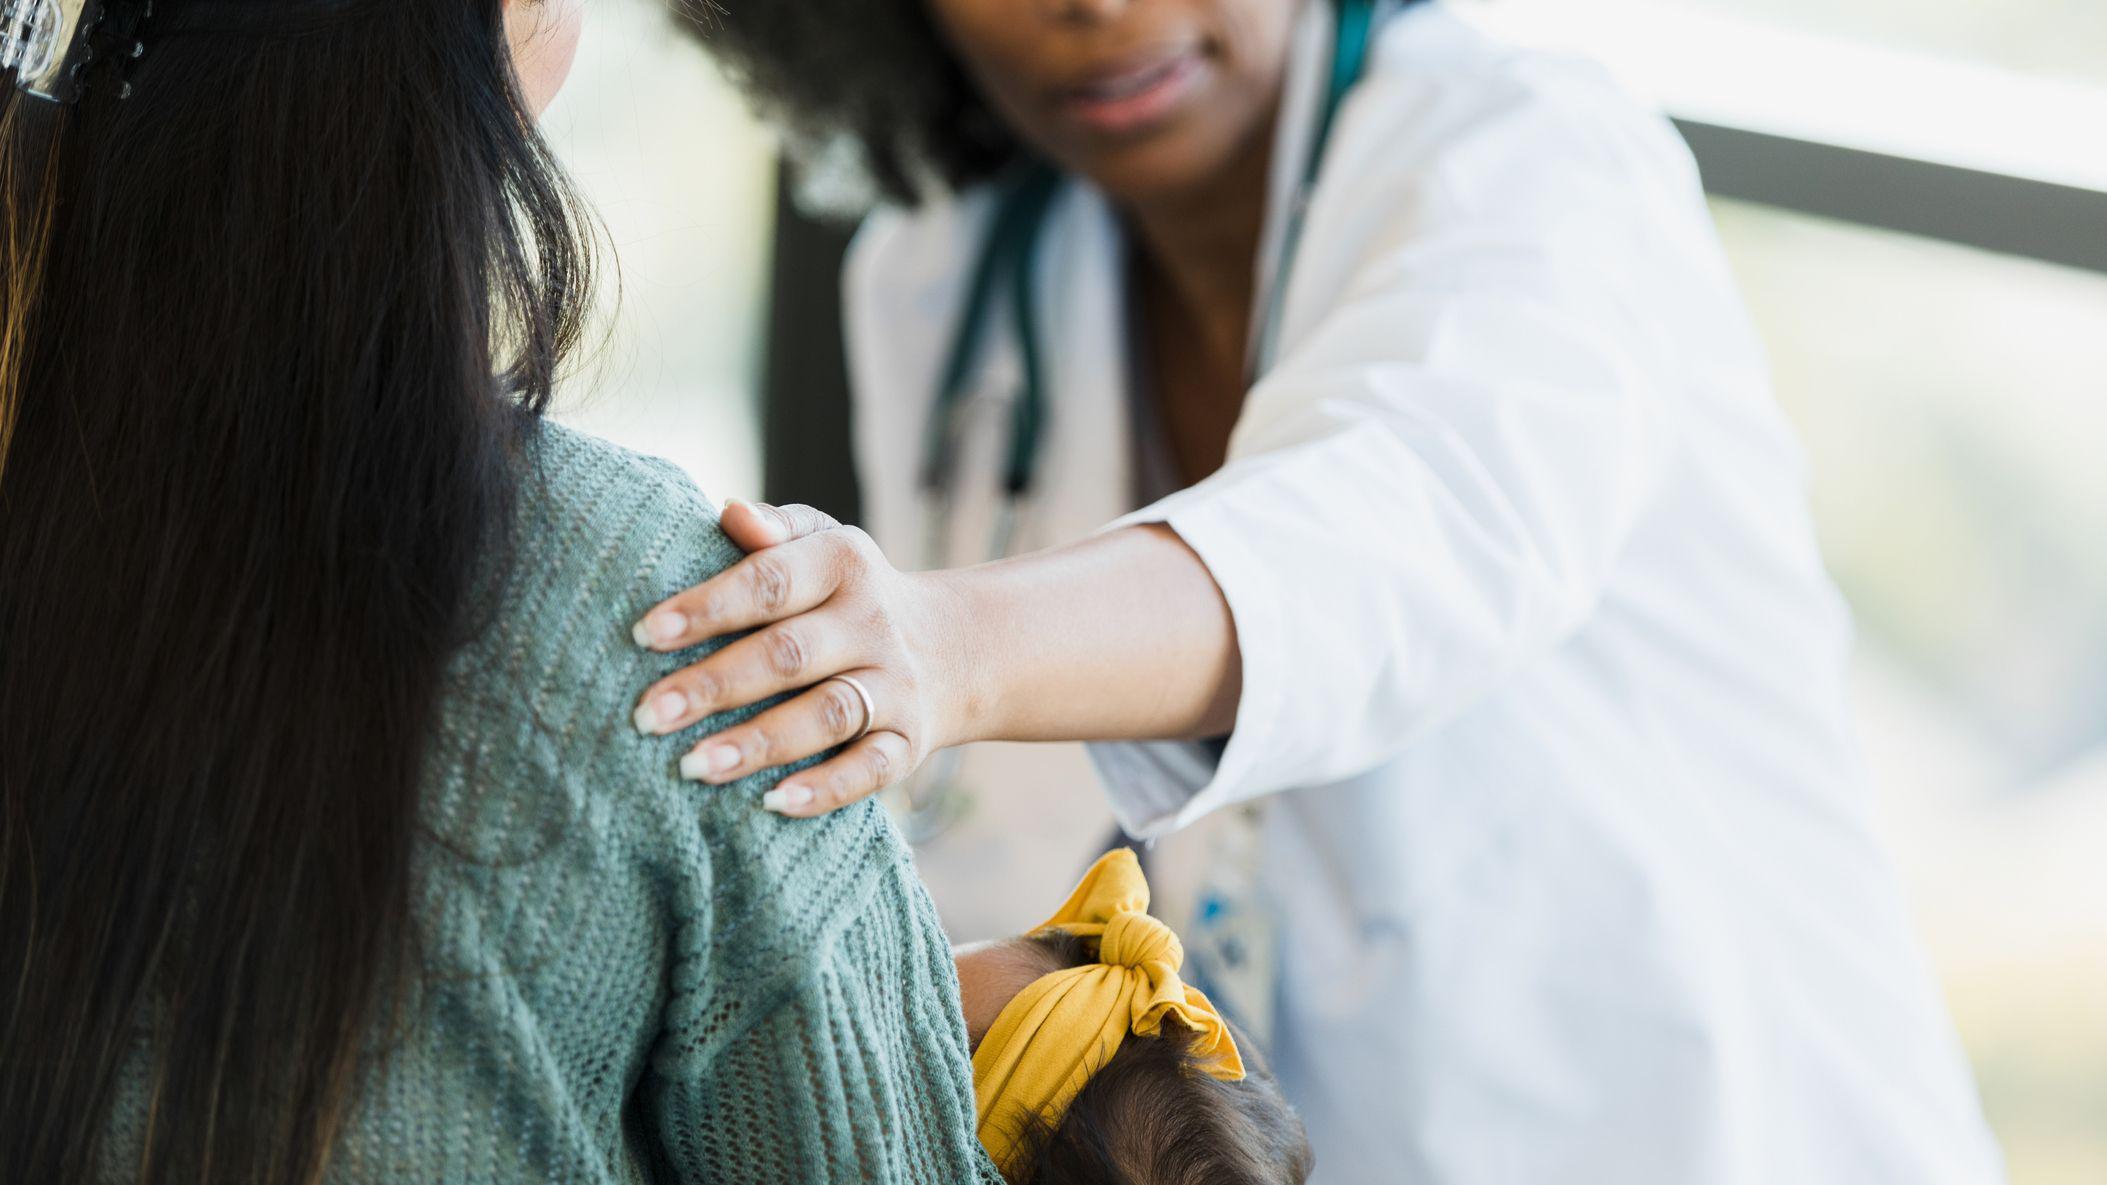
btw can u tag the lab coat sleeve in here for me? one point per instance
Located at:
(1471, 410)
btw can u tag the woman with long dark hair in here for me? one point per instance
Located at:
(323, 853)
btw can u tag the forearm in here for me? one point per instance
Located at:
(1123, 636)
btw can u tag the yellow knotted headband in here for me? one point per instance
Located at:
(1065, 1026)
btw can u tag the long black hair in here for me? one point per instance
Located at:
(273, 330)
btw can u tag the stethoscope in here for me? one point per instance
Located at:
(932, 800)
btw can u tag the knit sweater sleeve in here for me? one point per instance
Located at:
(810, 1028)
(811, 1034)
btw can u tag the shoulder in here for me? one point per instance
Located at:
(1449, 103)
(545, 691)
(537, 737)
(758, 905)
(606, 514)
(600, 535)
(559, 830)
(1463, 161)
(537, 702)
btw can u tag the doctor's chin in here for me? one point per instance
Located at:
(1083, 592)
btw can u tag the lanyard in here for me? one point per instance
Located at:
(1008, 254)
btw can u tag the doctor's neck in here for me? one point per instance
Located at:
(1201, 241)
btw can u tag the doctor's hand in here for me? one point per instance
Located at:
(823, 602)
(1119, 636)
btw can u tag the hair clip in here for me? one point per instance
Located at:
(46, 43)
(133, 48)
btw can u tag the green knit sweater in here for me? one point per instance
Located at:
(628, 977)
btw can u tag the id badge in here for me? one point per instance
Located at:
(1231, 947)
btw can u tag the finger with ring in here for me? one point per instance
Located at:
(840, 710)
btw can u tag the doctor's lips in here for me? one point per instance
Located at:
(1133, 94)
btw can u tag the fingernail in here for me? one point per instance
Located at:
(657, 714)
(710, 761)
(787, 797)
(658, 629)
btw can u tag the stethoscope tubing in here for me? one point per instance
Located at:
(1009, 253)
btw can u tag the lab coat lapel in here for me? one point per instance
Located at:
(1086, 476)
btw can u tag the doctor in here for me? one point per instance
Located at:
(1472, 571)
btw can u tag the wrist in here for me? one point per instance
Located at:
(951, 635)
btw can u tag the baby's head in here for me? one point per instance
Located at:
(1187, 1103)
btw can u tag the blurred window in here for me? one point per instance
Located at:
(683, 181)
(1865, 74)
(2057, 38)
(1950, 400)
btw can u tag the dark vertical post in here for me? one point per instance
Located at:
(806, 456)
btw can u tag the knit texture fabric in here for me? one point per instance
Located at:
(627, 977)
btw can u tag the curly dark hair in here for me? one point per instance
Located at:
(875, 71)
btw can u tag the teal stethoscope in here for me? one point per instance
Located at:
(931, 800)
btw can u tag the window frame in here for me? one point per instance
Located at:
(1947, 149)
(1998, 212)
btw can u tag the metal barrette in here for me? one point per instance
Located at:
(51, 44)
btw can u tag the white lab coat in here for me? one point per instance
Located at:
(1543, 680)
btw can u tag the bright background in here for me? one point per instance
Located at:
(1952, 401)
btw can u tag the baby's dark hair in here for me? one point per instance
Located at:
(1152, 1116)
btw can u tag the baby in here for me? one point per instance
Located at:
(1094, 1063)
